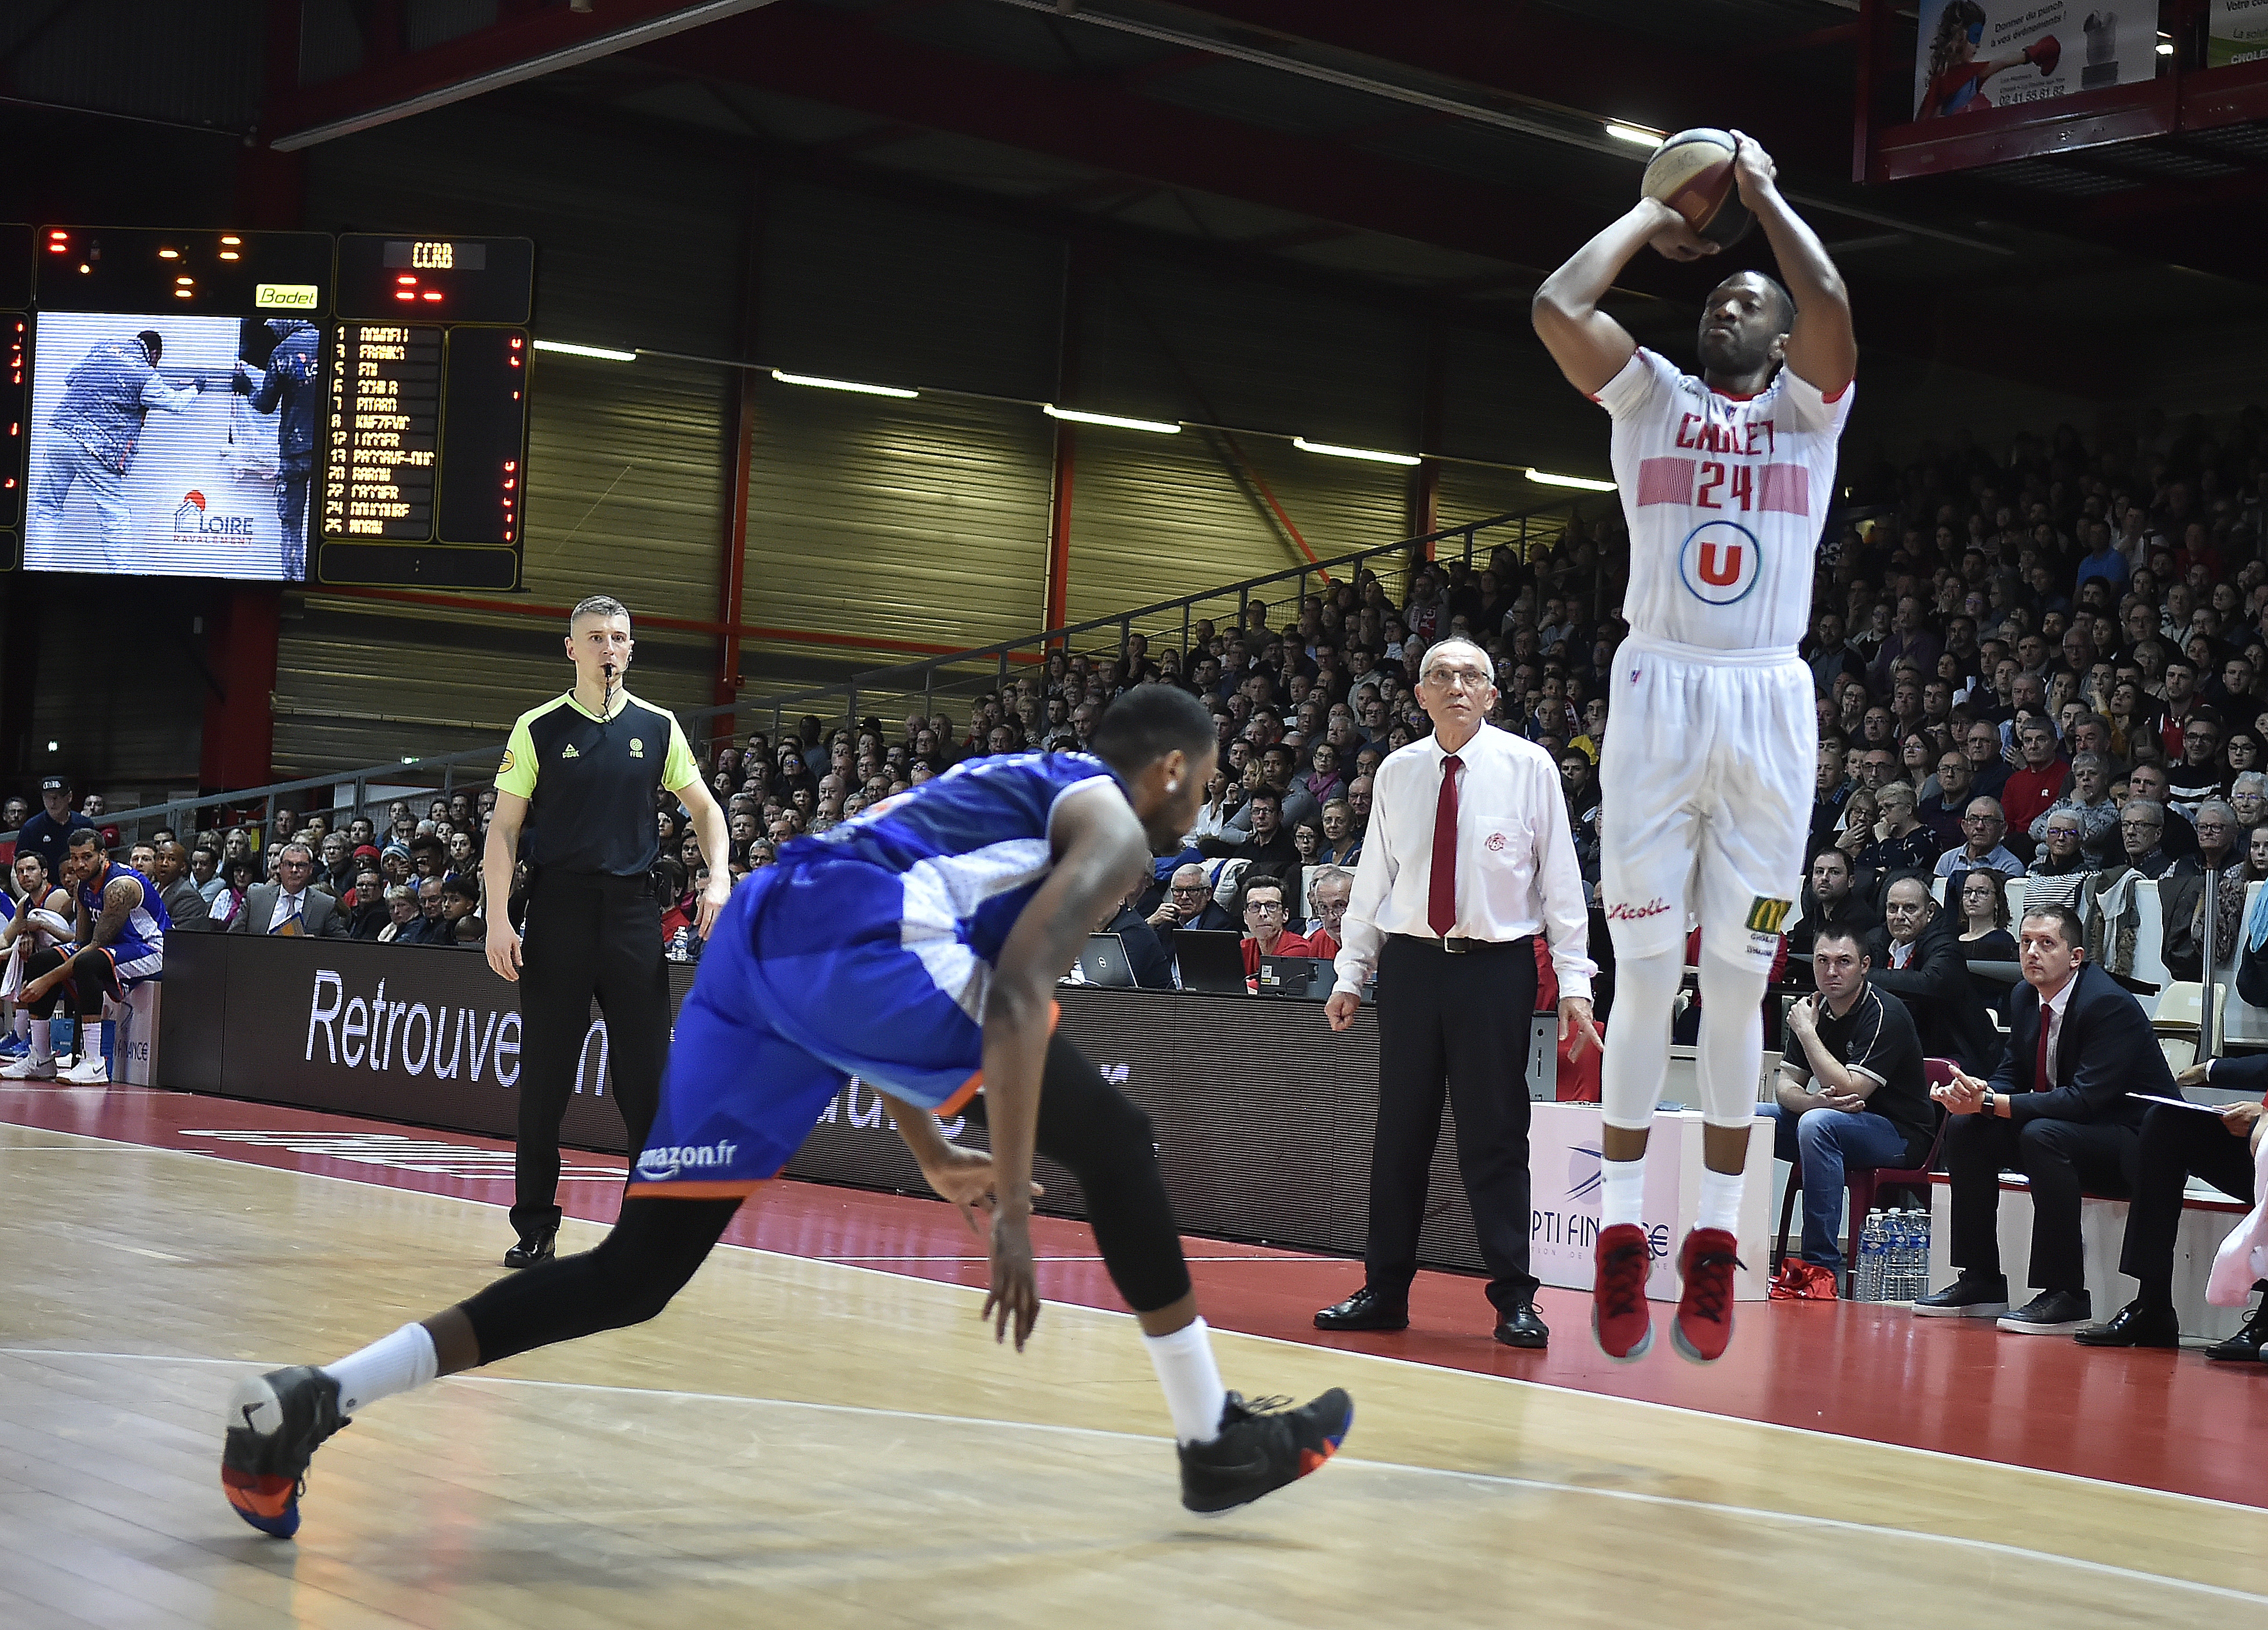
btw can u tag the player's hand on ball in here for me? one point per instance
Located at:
(1014, 1297)
(1678, 240)
(1754, 172)
(503, 947)
(1342, 1009)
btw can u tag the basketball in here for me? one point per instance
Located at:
(1692, 172)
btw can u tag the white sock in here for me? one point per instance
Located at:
(1185, 1369)
(43, 1049)
(1622, 1193)
(392, 1364)
(1721, 1201)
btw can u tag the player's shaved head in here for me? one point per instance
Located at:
(1148, 722)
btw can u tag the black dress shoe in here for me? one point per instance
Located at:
(532, 1247)
(2244, 1347)
(2134, 1325)
(1365, 1309)
(1520, 1327)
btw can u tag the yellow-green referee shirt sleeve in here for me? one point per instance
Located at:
(516, 774)
(680, 767)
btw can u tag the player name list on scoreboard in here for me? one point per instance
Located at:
(385, 415)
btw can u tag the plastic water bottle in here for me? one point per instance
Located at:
(1867, 1283)
(1914, 1266)
(1921, 1251)
(1901, 1263)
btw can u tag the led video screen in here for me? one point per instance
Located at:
(173, 444)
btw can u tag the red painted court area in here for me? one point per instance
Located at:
(2158, 1420)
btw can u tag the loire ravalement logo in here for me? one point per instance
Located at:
(195, 521)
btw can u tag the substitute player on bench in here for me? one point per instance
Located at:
(1726, 482)
(916, 946)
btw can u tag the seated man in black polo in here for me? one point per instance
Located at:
(2059, 1109)
(2219, 1148)
(1850, 1092)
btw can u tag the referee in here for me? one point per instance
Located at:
(1467, 861)
(578, 778)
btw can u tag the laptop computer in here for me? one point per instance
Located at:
(1102, 960)
(1307, 978)
(1210, 959)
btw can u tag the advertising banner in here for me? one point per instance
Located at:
(2236, 31)
(1262, 1114)
(1976, 55)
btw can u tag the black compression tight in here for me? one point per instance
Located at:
(1086, 1123)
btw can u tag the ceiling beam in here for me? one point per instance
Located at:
(828, 57)
(522, 45)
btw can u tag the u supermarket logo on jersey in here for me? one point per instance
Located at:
(1720, 562)
(1766, 916)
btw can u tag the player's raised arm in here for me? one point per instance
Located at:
(1590, 346)
(1821, 347)
(1099, 851)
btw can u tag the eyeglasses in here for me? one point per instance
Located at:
(1273, 907)
(2141, 826)
(1189, 889)
(1982, 820)
(1458, 678)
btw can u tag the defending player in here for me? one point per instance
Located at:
(1706, 779)
(916, 946)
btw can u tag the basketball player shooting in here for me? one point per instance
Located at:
(1705, 781)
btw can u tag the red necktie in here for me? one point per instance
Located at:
(2040, 1082)
(1441, 890)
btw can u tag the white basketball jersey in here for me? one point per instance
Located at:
(1726, 497)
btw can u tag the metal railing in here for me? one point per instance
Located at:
(988, 667)
(931, 678)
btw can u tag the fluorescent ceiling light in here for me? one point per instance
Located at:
(1581, 483)
(1637, 135)
(603, 353)
(1375, 457)
(1156, 427)
(817, 383)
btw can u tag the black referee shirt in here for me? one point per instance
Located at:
(590, 783)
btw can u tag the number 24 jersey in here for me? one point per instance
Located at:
(1725, 497)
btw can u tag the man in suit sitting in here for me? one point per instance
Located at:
(2057, 1109)
(1189, 903)
(1917, 957)
(292, 905)
(2219, 1148)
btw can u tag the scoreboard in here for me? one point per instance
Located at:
(348, 409)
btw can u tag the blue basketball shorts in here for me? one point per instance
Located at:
(807, 981)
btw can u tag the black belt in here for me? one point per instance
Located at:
(1463, 948)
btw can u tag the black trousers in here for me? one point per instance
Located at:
(2063, 1159)
(589, 937)
(2173, 1144)
(1085, 1123)
(1453, 1023)
(79, 994)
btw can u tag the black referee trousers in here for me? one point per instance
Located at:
(1453, 1023)
(588, 936)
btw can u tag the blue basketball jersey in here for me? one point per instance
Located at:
(144, 935)
(968, 849)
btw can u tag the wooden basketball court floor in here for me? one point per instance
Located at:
(820, 1432)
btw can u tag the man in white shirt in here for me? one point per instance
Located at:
(1705, 782)
(1468, 858)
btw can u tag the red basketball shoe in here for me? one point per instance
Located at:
(1704, 1324)
(1620, 1262)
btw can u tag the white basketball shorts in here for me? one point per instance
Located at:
(1705, 805)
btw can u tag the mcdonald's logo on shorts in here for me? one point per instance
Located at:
(1766, 915)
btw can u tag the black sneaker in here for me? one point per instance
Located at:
(1971, 1296)
(276, 1421)
(534, 1247)
(2244, 1347)
(2052, 1313)
(1261, 1447)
